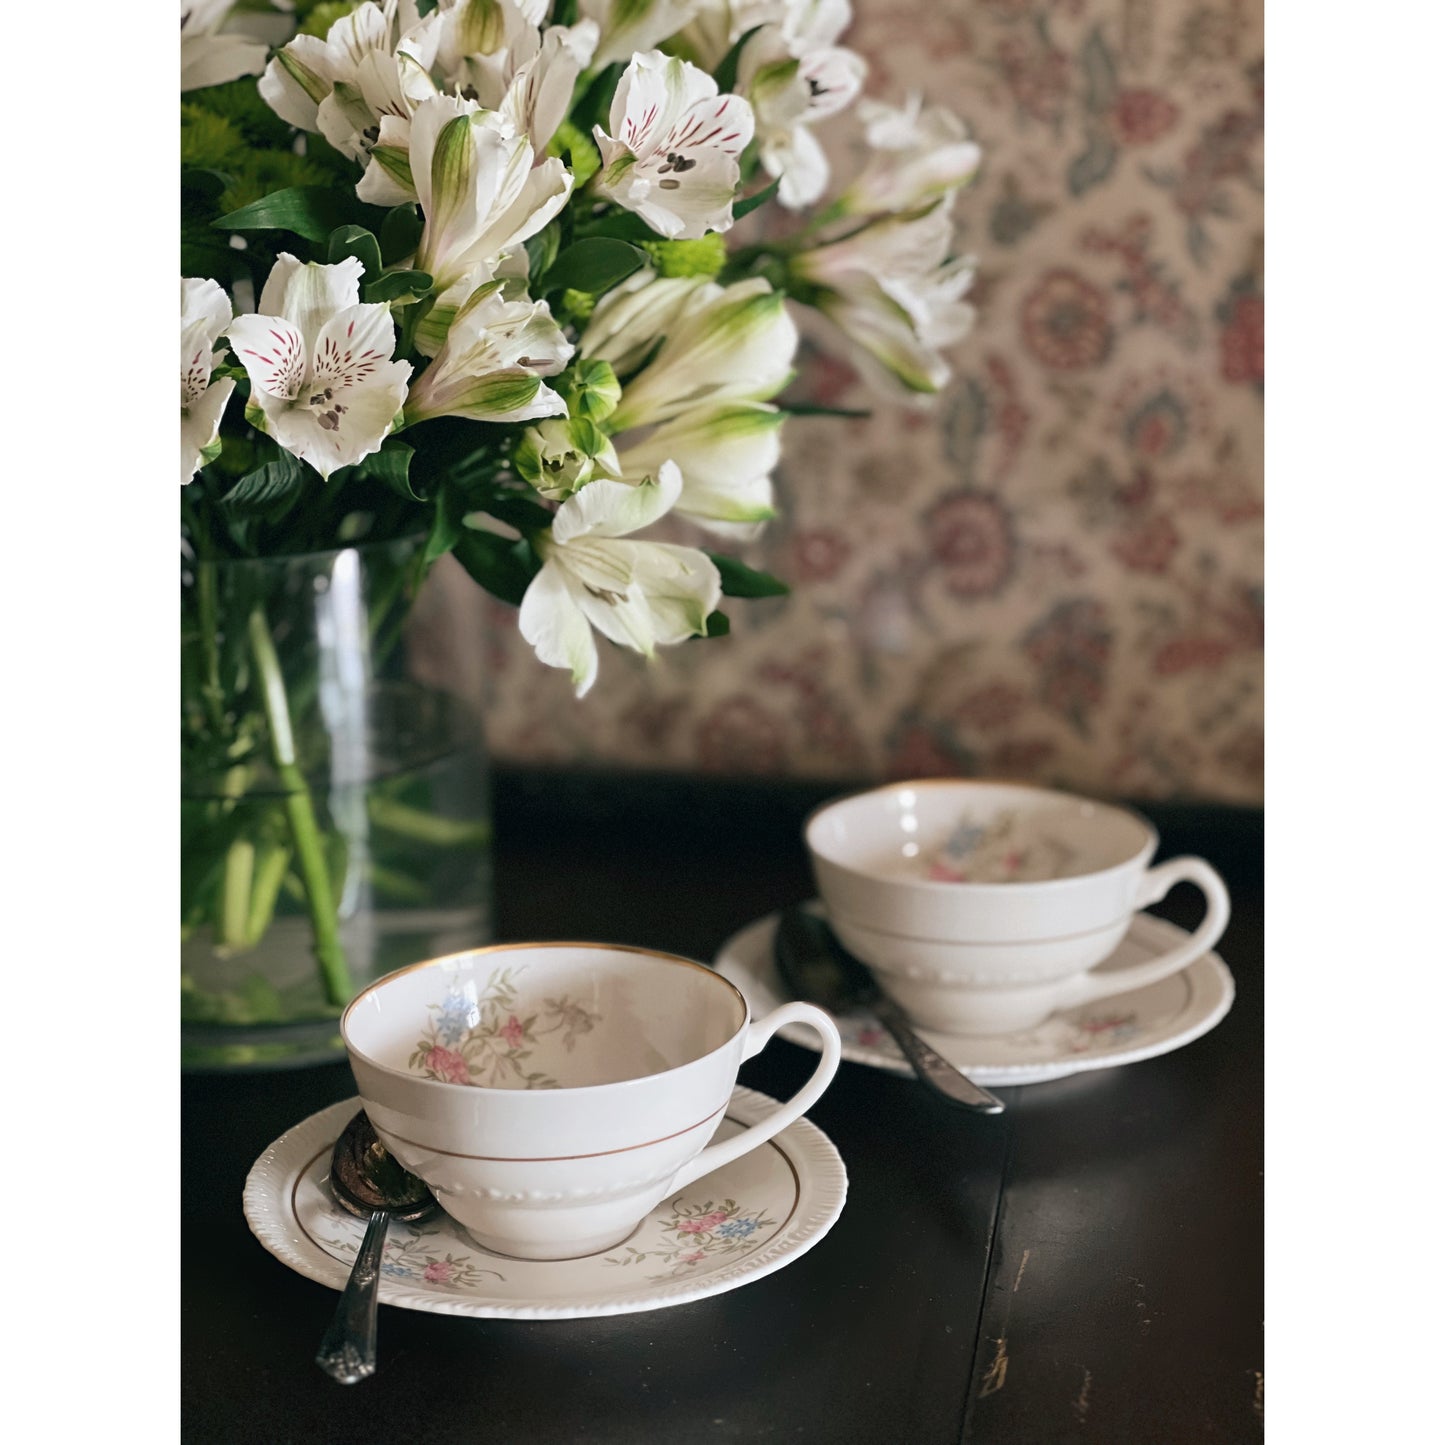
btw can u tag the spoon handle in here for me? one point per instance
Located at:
(348, 1349)
(931, 1067)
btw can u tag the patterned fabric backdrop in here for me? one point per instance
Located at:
(1056, 571)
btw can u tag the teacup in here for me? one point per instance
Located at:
(982, 907)
(551, 1094)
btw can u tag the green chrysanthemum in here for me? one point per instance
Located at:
(262, 172)
(322, 17)
(704, 257)
(209, 141)
(576, 148)
(240, 103)
(579, 305)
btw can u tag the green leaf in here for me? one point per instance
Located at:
(204, 253)
(312, 212)
(400, 234)
(718, 624)
(391, 466)
(759, 198)
(202, 187)
(726, 74)
(621, 226)
(447, 526)
(593, 265)
(392, 285)
(503, 568)
(806, 408)
(259, 488)
(739, 580)
(355, 241)
(542, 249)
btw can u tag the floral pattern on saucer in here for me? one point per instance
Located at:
(476, 1037)
(417, 1255)
(703, 1232)
(747, 1219)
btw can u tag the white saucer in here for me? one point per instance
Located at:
(733, 1226)
(1119, 1030)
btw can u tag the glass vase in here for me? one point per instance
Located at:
(335, 812)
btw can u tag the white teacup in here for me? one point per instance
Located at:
(982, 907)
(550, 1094)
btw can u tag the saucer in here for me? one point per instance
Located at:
(731, 1227)
(1118, 1030)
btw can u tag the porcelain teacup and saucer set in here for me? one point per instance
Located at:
(574, 1107)
(1004, 921)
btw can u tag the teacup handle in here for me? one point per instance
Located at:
(716, 1155)
(1152, 887)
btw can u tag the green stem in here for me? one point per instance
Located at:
(236, 893)
(211, 691)
(211, 686)
(270, 870)
(305, 834)
(421, 827)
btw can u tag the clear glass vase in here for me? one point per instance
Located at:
(335, 813)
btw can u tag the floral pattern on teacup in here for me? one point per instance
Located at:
(1006, 848)
(416, 1256)
(700, 1232)
(479, 1036)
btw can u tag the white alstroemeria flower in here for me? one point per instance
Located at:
(322, 379)
(491, 52)
(672, 155)
(209, 57)
(480, 194)
(726, 455)
(728, 344)
(366, 68)
(628, 26)
(491, 366)
(792, 84)
(385, 86)
(919, 154)
(719, 24)
(639, 594)
(540, 92)
(891, 288)
(482, 44)
(205, 314)
(628, 321)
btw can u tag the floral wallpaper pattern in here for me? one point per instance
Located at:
(1055, 572)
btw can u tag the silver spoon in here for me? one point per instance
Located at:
(368, 1182)
(816, 966)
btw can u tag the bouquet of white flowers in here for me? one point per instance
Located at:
(459, 270)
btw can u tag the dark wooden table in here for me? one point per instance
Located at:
(1086, 1267)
